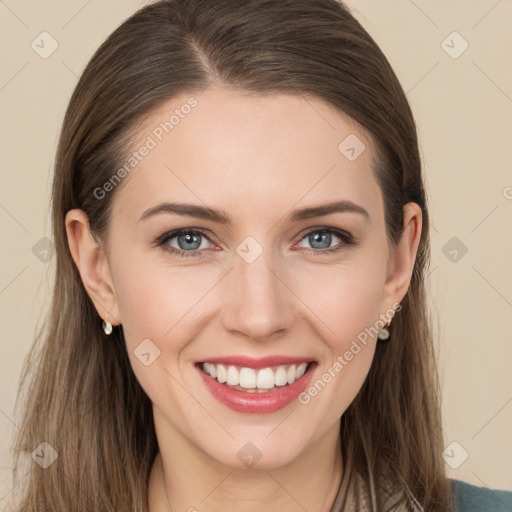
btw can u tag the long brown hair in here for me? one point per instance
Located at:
(81, 394)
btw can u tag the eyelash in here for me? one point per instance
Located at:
(347, 238)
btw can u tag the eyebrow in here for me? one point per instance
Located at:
(221, 217)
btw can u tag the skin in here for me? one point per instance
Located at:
(258, 158)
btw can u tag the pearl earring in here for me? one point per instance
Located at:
(107, 327)
(384, 333)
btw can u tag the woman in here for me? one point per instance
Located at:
(283, 360)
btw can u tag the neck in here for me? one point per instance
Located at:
(184, 479)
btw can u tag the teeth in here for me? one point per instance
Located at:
(290, 376)
(266, 379)
(233, 378)
(281, 378)
(247, 377)
(251, 379)
(301, 370)
(222, 374)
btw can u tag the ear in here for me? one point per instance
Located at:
(403, 256)
(93, 266)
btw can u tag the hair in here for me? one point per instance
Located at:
(82, 396)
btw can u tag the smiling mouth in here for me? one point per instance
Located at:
(251, 380)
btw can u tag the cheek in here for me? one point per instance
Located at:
(156, 298)
(156, 302)
(346, 301)
(346, 298)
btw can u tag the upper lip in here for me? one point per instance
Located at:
(256, 363)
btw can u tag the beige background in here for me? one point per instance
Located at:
(463, 108)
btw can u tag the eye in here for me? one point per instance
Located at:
(189, 242)
(320, 240)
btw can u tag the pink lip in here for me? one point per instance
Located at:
(256, 403)
(250, 362)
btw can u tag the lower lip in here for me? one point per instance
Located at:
(257, 403)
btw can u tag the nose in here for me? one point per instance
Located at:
(259, 305)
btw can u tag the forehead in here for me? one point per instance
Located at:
(240, 150)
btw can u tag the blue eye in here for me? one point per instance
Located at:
(190, 241)
(320, 240)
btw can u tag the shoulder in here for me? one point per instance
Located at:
(471, 498)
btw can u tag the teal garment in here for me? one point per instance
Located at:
(471, 498)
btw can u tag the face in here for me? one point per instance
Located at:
(255, 279)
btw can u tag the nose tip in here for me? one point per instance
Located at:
(259, 304)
